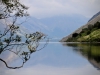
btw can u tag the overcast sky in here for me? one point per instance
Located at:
(49, 8)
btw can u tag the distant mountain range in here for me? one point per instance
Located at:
(92, 21)
(57, 26)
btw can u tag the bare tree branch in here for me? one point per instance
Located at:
(10, 40)
(9, 66)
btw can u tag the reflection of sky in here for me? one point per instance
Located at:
(54, 60)
(58, 56)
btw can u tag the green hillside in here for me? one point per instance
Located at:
(89, 34)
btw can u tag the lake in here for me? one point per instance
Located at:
(60, 59)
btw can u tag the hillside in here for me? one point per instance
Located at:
(86, 33)
(95, 16)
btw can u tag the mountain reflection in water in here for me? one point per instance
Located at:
(57, 59)
(91, 51)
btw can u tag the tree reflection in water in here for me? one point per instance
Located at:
(91, 51)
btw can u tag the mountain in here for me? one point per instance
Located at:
(95, 16)
(62, 25)
(33, 24)
(55, 27)
(92, 23)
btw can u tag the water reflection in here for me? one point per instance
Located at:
(89, 51)
(55, 59)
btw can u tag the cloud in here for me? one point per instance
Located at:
(48, 8)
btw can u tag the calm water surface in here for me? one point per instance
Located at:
(60, 59)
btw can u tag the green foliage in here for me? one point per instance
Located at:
(97, 25)
(75, 34)
(89, 34)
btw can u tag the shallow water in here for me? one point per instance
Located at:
(61, 59)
